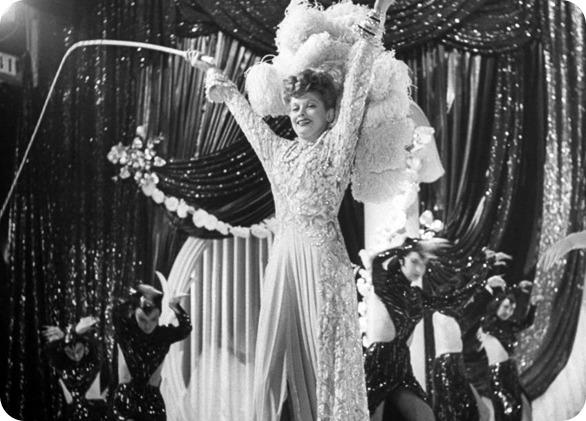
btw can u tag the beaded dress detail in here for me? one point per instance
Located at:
(308, 344)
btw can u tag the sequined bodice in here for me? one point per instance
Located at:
(76, 375)
(406, 304)
(144, 353)
(308, 187)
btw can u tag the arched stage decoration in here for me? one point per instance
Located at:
(173, 386)
(211, 377)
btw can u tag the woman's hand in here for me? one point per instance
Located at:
(85, 324)
(381, 6)
(149, 292)
(562, 247)
(52, 333)
(174, 303)
(526, 286)
(199, 60)
(366, 259)
(481, 336)
(496, 281)
(500, 258)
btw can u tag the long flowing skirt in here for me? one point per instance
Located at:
(308, 339)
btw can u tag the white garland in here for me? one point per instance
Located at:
(203, 219)
(137, 160)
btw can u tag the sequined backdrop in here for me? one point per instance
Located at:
(564, 195)
(78, 239)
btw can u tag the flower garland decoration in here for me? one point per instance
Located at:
(408, 187)
(139, 160)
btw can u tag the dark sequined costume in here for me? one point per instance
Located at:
(474, 355)
(144, 353)
(453, 399)
(506, 391)
(504, 378)
(506, 330)
(78, 376)
(388, 364)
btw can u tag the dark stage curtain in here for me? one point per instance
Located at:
(476, 25)
(546, 346)
(77, 238)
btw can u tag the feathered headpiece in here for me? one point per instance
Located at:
(311, 37)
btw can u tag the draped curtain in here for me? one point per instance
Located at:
(549, 341)
(486, 26)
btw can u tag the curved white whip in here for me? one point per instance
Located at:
(81, 44)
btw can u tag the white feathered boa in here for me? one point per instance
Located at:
(321, 39)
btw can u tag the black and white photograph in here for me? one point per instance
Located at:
(292, 210)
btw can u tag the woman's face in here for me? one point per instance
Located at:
(309, 116)
(75, 351)
(506, 309)
(147, 322)
(414, 265)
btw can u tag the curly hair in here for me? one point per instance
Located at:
(311, 81)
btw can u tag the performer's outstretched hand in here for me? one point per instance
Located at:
(174, 303)
(85, 324)
(52, 333)
(500, 258)
(199, 60)
(496, 281)
(149, 291)
(526, 286)
(573, 241)
(382, 6)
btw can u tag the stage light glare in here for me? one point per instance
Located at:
(5, 5)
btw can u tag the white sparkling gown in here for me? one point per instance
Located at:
(308, 343)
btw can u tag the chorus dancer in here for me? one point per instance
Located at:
(454, 396)
(75, 355)
(308, 343)
(389, 374)
(498, 335)
(144, 345)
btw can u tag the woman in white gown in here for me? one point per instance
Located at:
(308, 341)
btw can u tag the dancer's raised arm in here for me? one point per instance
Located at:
(356, 82)
(576, 240)
(219, 88)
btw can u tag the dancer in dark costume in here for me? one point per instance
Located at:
(75, 356)
(498, 335)
(454, 397)
(144, 345)
(389, 375)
